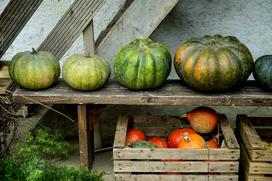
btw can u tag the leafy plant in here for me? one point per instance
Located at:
(28, 163)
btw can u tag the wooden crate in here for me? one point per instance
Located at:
(178, 164)
(256, 159)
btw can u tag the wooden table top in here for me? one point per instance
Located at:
(173, 92)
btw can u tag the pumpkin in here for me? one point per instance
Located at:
(212, 143)
(213, 63)
(34, 70)
(262, 72)
(176, 135)
(142, 144)
(159, 142)
(192, 141)
(203, 119)
(142, 64)
(134, 135)
(86, 72)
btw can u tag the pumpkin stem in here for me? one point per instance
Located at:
(34, 51)
(186, 138)
(143, 46)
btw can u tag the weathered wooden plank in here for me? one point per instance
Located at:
(227, 131)
(72, 23)
(248, 134)
(176, 154)
(173, 92)
(164, 177)
(139, 20)
(120, 133)
(13, 19)
(84, 137)
(177, 166)
(4, 83)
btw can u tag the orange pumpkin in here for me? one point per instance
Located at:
(134, 135)
(203, 119)
(176, 135)
(212, 143)
(192, 141)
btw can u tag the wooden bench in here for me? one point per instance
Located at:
(173, 92)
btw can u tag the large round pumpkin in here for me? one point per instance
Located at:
(86, 72)
(263, 71)
(34, 70)
(142, 64)
(213, 63)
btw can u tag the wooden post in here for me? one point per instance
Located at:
(84, 126)
(85, 148)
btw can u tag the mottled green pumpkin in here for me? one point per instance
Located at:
(143, 144)
(34, 70)
(263, 71)
(142, 64)
(213, 63)
(86, 73)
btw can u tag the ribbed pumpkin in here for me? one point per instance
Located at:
(263, 71)
(34, 70)
(142, 64)
(86, 72)
(213, 63)
(176, 135)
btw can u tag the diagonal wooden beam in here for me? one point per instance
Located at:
(139, 20)
(70, 26)
(13, 19)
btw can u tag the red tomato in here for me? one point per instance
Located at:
(176, 135)
(134, 135)
(159, 142)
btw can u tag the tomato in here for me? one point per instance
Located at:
(176, 135)
(134, 135)
(159, 142)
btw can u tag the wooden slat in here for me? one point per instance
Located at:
(139, 20)
(248, 134)
(13, 19)
(173, 92)
(72, 23)
(120, 133)
(179, 154)
(227, 131)
(179, 166)
(167, 177)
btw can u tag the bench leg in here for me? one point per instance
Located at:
(86, 143)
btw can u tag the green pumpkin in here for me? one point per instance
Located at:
(142, 64)
(213, 63)
(86, 73)
(34, 70)
(263, 71)
(142, 144)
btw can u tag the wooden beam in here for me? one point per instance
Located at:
(13, 19)
(70, 26)
(139, 20)
(85, 137)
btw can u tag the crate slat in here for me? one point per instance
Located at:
(121, 130)
(164, 177)
(184, 154)
(229, 136)
(250, 137)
